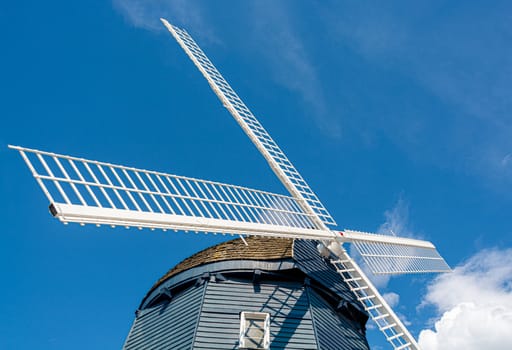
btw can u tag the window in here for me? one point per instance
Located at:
(254, 330)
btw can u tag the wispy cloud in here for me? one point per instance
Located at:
(140, 13)
(391, 298)
(460, 55)
(397, 220)
(507, 160)
(474, 304)
(274, 31)
(396, 224)
(146, 14)
(292, 66)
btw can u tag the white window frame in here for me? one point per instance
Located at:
(261, 316)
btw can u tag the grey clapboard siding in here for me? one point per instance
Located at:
(334, 332)
(300, 293)
(168, 325)
(287, 303)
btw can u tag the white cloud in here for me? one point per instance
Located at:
(474, 304)
(397, 220)
(391, 298)
(396, 224)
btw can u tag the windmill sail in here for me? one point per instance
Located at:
(88, 191)
(386, 255)
(275, 157)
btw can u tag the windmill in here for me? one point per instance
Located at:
(92, 192)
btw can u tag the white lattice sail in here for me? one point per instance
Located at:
(88, 191)
(397, 255)
(276, 158)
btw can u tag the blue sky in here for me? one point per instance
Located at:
(397, 114)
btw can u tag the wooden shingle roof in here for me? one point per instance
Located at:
(258, 248)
